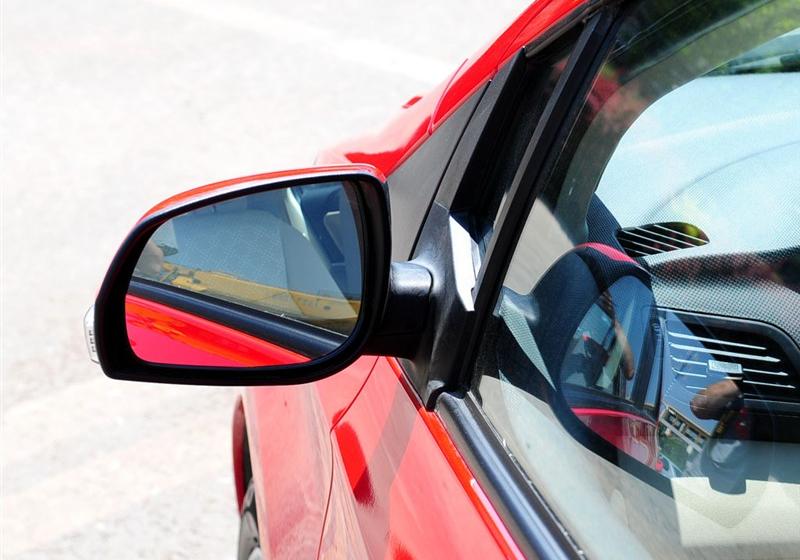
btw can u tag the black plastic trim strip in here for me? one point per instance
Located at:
(296, 336)
(566, 96)
(414, 184)
(461, 182)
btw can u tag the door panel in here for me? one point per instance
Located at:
(291, 459)
(337, 392)
(394, 493)
(288, 432)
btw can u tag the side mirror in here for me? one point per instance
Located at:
(273, 279)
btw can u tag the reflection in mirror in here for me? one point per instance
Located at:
(688, 395)
(267, 278)
(607, 368)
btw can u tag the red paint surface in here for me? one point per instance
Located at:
(291, 459)
(392, 145)
(288, 430)
(238, 440)
(456, 461)
(164, 335)
(395, 493)
(337, 392)
(380, 466)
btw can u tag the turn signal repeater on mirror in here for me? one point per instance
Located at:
(88, 332)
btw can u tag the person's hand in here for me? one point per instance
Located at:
(709, 403)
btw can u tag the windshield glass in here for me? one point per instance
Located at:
(779, 55)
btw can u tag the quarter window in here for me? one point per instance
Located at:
(516, 114)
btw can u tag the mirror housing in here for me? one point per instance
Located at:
(369, 203)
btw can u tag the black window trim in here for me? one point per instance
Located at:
(550, 133)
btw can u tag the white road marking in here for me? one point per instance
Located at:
(28, 427)
(354, 51)
(77, 498)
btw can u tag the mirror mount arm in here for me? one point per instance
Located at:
(405, 313)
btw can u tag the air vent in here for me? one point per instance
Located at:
(651, 239)
(701, 352)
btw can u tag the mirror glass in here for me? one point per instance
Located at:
(266, 278)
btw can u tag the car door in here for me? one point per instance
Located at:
(613, 366)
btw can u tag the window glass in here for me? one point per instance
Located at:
(642, 363)
(291, 252)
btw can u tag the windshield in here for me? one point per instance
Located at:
(782, 54)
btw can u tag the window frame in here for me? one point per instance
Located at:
(531, 522)
(441, 373)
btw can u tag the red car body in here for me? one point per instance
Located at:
(354, 465)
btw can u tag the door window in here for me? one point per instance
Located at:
(642, 362)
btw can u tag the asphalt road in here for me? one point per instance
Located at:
(109, 106)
